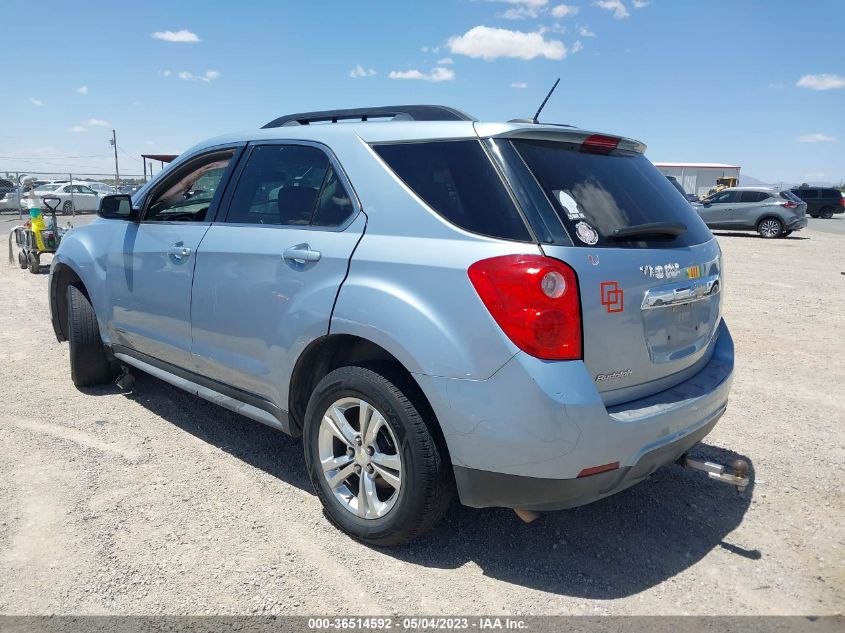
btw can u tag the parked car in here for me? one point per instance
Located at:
(101, 188)
(527, 314)
(770, 212)
(10, 200)
(73, 197)
(821, 201)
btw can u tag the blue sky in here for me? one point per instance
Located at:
(760, 83)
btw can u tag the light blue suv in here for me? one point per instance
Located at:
(526, 314)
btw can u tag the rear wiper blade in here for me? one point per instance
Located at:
(660, 229)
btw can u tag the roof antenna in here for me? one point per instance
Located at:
(543, 105)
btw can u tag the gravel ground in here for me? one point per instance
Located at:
(160, 503)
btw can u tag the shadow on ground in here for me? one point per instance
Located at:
(613, 548)
(755, 236)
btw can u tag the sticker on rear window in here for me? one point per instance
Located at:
(569, 205)
(586, 233)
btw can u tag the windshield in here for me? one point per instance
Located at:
(595, 195)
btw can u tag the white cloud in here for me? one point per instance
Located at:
(519, 84)
(521, 12)
(36, 102)
(207, 77)
(166, 73)
(490, 43)
(639, 4)
(815, 138)
(577, 47)
(436, 74)
(620, 11)
(98, 122)
(360, 71)
(150, 143)
(528, 3)
(563, 10)
(824, 81)
(445, 61)
(183, 36)
(77, 129)
(585, 32)
(430, 49)
(83, 90)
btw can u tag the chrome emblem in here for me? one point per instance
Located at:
(616, 375)
(666, 271)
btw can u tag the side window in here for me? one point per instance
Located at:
(754, 196)
(188, 193)
(289, 185)
(82, 189)
(334, 205)
(808, 194)
(724, 197)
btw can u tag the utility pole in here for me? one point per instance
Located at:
(113, 142)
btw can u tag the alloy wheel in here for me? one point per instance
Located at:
(770, 228)
(360, 458)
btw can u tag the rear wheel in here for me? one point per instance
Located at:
(770, 227)
(827, 213)
(89, 364)
(22, 260)
(34, 262)
(375, 464)
(67, 207)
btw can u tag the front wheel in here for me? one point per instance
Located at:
(22, 260)
(770, 227)
(827, 213)
(34, 262)
(89, 364)
(376, 465)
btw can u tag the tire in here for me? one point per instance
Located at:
(22, 260)
(34, 263)
(770, 228)
(67, 207)
(826, 213)
(814, 215)
(89, 364)
(392, 515)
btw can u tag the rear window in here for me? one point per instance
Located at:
(458, 181)
(594, 195)
(788, 195)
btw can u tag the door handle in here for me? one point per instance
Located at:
(179, 252)
(301, 254)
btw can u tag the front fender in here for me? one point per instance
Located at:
(80, 259)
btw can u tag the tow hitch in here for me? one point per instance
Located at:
(738, 477)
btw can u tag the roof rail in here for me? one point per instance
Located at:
(395, 113)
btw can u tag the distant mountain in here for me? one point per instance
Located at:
(749, 181)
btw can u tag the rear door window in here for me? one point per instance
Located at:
(458, 181)
(753, 196)
(594, 195)
(289, 185)
(788, 195)
(809, 193)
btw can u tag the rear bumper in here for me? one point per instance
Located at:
(797, 224)
(522, 437)
(483, 489)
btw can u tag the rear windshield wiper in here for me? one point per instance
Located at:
(657, 229)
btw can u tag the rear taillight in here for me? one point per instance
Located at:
(599, 144)
(535, 301)
(842, 202)
(789, 204)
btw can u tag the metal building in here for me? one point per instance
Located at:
(698, 178)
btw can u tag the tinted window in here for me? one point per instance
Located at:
(289, 185)
(788, 195)
(753, 196)
(595, 193)
(808, 193)
(831, 193)
(725, 197)
(458, 181)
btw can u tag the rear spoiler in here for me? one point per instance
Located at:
(597, 142)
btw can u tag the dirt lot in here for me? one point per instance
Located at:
(159, 503)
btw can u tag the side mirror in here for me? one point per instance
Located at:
(117, 207)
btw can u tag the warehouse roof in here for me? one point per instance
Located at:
(699, 165)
